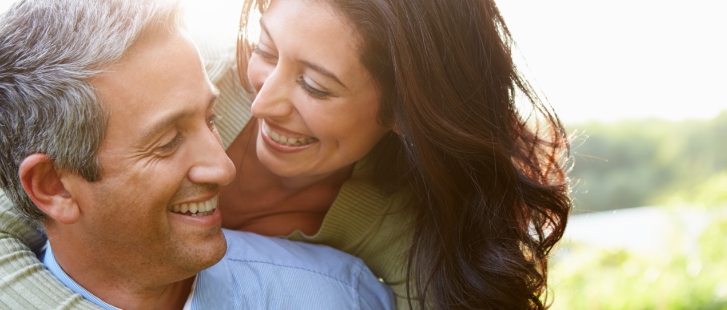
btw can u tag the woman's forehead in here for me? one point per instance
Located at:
(312, 31)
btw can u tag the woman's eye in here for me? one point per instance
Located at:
(172, 145)
(312, 91)
(264, 54)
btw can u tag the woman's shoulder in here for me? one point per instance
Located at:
(371, 224)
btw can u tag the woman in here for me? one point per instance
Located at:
(388, 129)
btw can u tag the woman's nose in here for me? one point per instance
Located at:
(273, 91)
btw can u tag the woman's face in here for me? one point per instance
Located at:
(316, 103)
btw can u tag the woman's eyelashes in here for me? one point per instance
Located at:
(312, 91)
(264, 54)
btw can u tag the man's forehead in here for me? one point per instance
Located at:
(158, 82)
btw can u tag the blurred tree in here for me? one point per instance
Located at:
(635, 163)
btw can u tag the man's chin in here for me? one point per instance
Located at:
(201, 256)
(200, 242)
(218, 252)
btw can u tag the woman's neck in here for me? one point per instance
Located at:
(263, 202)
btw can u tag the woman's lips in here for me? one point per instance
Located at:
(287, 139)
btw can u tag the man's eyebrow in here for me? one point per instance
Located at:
(323, 71)
(313, 66)
(169, 120)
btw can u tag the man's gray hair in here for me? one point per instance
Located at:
(49, 49)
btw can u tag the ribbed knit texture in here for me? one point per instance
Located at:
(362, 221)
(25, 283)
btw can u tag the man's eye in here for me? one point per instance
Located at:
(212, 121)
(172, 145)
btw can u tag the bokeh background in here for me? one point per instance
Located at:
(641, 86)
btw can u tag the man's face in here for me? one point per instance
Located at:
(161, 151)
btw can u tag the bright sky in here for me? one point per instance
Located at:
(616, 59)
(595, 60)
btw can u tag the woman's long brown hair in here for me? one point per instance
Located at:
(489, 185)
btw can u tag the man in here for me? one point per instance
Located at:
(107, 139)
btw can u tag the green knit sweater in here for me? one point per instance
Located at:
(361, 220)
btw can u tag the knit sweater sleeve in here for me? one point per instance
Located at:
(370, 224)
(24, 281)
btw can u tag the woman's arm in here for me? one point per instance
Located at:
(24, 281)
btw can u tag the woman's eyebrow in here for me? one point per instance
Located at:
(313, 66)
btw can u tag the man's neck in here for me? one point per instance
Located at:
(116, 291)
(172, 296)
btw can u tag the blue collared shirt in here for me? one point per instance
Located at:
(260, 272)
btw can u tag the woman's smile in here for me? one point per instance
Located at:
(286, 138)
(283, 141)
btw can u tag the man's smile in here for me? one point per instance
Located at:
(202, 208)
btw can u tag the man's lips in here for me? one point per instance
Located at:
(202, 208)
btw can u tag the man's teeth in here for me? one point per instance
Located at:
(197, 208)
(285, 140)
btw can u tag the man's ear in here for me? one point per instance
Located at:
(42, 183)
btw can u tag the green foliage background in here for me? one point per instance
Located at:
(588, 277)
(679, 166)
(636, 163)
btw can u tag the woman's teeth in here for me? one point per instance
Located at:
(203, 208)
(285, 140)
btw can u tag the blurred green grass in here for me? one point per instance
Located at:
(584, 276)
(636, 163)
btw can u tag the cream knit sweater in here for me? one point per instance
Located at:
(361, 220)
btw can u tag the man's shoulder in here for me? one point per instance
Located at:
(269, 252)
(271, 273)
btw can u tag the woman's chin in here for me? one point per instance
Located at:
(301, 169)
(283, 166)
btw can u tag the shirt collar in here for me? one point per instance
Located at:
(214, 288)
(49, 260)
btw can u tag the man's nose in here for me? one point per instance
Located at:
(211, 164)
